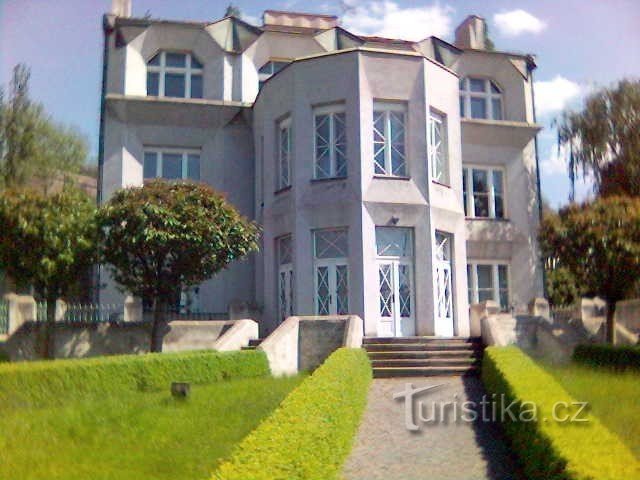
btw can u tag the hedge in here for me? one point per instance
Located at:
(38, 383)
(310, 435)
(618, 357)
(551, 450)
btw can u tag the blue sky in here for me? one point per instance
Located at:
(579, 45)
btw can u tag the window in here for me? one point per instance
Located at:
(438, 148)
(284, 252)
(269, 69)
(330, 143)
(172, 164)
(389, 155)
(483, 191)
(480, 98)
(488, 281)
(284, 154)
(171, 74)
(331, 271)
(394, 241)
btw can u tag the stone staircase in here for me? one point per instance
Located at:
(423, 356)
(253, 344)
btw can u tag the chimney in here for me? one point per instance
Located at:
(121, 8)
(471, 33)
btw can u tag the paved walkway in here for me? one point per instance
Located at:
(386, 449)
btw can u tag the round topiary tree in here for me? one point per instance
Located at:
(164, 237)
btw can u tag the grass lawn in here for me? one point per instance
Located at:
(614, 397)
(136, 435)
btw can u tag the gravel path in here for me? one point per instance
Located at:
(386, 449)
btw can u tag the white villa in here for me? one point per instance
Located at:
(393, 180)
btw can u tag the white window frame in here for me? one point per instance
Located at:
(331, 111)
(466, 95)
(160, 151)
(473, 280)
(188, 70)
(387, 108)
(470, 206)
(282, 180)
(436, 118)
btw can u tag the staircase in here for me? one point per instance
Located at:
(424, 356)
(253, 344)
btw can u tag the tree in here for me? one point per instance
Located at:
(32, 146)
(165, 237)
(599, 243)
(47, 242)
(603, 140)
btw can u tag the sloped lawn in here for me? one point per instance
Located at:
(614, 397)
(136, 434)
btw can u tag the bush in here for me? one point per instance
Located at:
(619, 358)
(39, 383)
(310, 435)
(548, 449)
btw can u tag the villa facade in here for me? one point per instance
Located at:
(394, 180)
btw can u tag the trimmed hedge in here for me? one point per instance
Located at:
(310, 435)
(30, 384)
(617, 357)
(551, 450)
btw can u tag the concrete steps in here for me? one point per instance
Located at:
(423, 356)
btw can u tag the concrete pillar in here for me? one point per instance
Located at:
(22, 308)
(539, 307)
(61, 309)
(132, 309)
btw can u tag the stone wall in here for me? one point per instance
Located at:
(317, 339)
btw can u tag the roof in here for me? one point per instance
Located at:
(302, 14)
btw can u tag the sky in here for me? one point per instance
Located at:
(579, 45)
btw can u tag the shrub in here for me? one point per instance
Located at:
(548, 449)
(39, 383)
(311, 433)
(619, 358)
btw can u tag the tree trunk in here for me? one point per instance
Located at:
(157, 329)
(611, 322)
(49, 330)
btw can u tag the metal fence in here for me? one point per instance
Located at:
(85, 313)
(562, 314)
(4, 317)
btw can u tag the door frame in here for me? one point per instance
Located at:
(442, 326)
(332, 265)
(396, 319)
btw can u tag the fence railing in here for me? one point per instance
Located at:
(4, 317)
(181, 315)
(563, 314)
(84, 313)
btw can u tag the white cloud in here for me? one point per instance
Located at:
(387, 19)
(553, 95)
(252, 19)
(555, 162)
(515, 22)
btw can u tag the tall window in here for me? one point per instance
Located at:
(284, 252)
(480, 98)
(330, 142)
(171, 164)
(389, 154)
(331, 262)
(438, 148)
(269, 69)
(483, 190)
(284, 153)
(488, 281)
(173, 74)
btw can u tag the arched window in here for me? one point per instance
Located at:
(480, 98)
(174, 74)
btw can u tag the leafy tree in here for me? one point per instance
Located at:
(47, 241)
(603, 140)
(599, 244)
(165, 237)
(562, 287)
(32, 146)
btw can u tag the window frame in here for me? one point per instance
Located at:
(332, 264)
(444, 143)
(162, 70)
(282, 125)
(472, 281)
(184, 152)
(467, 187)
(331, 111)
(466, 94)
(387, 107)
(263, 77)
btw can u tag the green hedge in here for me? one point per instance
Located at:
(310, 435)
(551, 450)
(44, 382)
(619, 357)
